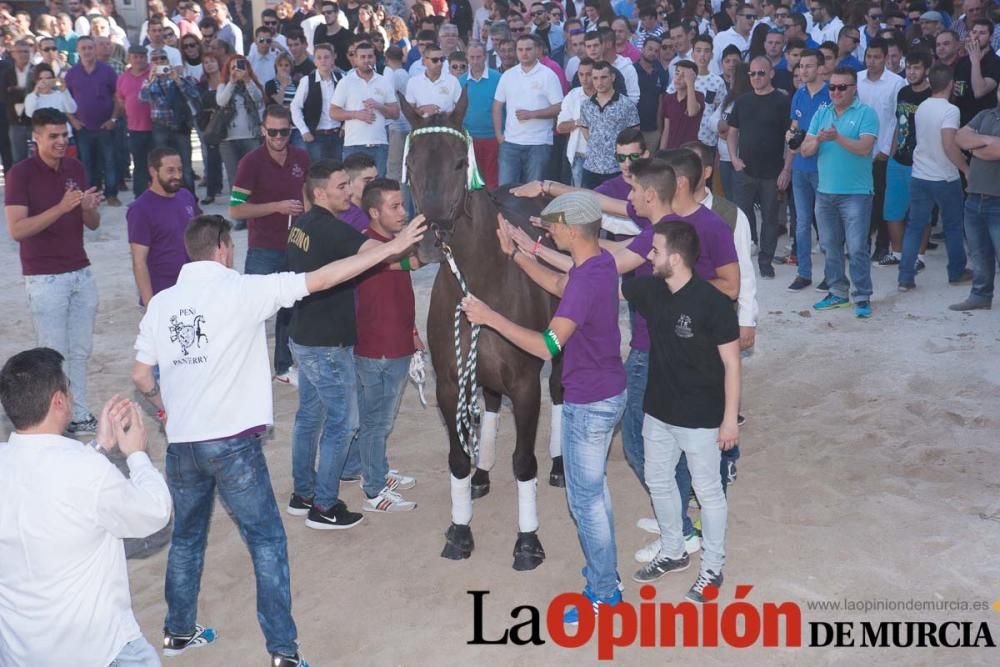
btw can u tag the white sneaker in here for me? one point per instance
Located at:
(649, 525)
(398, 480)
(387, 501)
(692, 544)
(291, 377)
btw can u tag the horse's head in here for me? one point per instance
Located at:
(437, 170)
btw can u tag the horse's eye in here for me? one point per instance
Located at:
(461, 164)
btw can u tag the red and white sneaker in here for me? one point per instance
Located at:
(387, 500)
(289, 377)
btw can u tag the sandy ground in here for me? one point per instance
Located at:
(867, 473)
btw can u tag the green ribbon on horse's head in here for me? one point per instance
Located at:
(474, 180)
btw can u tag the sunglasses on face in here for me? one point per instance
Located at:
(840, 87)
(191, 45)
(264, 40)
(631, 157)
(758, 73)
(329, 12)
(435, 60)
(875, 17)
(749, 17)
(281, 132)
(781, 15)
(459, 66)
(49, 48)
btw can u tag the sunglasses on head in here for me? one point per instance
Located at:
(841, 87)
(280, 132)
(631, 157)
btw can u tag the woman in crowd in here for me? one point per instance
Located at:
(244, 93)
(209, 85)
(398, 34)
(191, 55)
(46, 94)
(281, 89)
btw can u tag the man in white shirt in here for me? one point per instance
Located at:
(207, 334)
(156, 42)
(739, 35)
(363, 101)
(826, 25)
(311, 108)
(878, 88)
(64, 510)
(621, 63)
(680, 36)
(532, 95)
(399, 127)
(264, 54)
(433, 90)
(228, 31)
(568, 119)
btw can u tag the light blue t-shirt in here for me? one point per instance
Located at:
(479, 116)
(841, 172)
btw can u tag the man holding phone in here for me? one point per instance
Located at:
(171, 98)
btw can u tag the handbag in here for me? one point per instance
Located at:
(218, 125)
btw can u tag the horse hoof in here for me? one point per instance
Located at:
(480, 483)
(528, 552)
(557, 477)
(459, 543)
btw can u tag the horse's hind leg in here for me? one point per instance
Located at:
(458, 539)
(526, 397)
(487, 444)
(556, 477)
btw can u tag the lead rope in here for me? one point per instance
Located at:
(418, 374)
(468, 412)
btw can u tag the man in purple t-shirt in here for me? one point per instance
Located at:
(585, 328)
(156, 224)
(361, 171)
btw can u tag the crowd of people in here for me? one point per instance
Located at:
(679, 141)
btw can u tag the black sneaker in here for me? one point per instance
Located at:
(299, 506)
(705, 579)
(889, 260)
(823, 286)
(920, 265)
(337, 517)
(350, 479)
(878, 255)
(278, 660)
(799, 284)
(660, 566)
(86, 426)
(177, 644)
(932, 246)
(766, 271)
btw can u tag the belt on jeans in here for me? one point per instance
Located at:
(328, 133)
(365, 145)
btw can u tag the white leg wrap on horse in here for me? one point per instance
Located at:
(488, 440)
(461, 500)
(555, 431)
(527, 508)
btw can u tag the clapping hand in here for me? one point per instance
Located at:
(112, 411)
(130, 430)
(91, 199)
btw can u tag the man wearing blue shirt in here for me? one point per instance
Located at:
(843, 134)
(810, 98)
(480, 84)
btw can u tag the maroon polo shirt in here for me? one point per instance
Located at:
(386, 312)
(59, 247)
(267, 181)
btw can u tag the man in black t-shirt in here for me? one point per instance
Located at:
(977, 74)
(334, 34)
(322, 336)
(691, 401)
(756, 139)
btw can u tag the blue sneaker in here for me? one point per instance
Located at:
(177, 644)
(863, 309)
(572, 615)
(830, 302)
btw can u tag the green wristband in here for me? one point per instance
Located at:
(405, 264)
(236, 198)
(552, 343)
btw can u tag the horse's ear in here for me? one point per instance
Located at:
(458, 113)
(409, 112)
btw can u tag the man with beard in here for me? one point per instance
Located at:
(156, 223)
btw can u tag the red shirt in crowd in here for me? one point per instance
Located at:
(386, 311)
(267, 181)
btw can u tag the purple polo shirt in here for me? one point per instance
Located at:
(616, 188)
(59, 247)
(717, 249)
(356, 218)
(93, 92)
(592, 362)
(158, 223)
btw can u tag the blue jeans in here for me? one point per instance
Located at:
(325, 146)
(664, 445)
(587, 432)
(520, 164)
(211, 157)
(328, 398)
(727, 176)
(924, 195)
(19, 136)
(97, 153)
(636, 374)
(139, 145)
(982, 229)
(121, 148)
(577, 170)
(804, 184)
(845, 218)
(180, 141)
(380, 391)
(63, 309)
(237, 469)
(137, 653)
(262, 262)
(378, 152)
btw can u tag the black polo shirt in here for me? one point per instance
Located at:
(651, 86)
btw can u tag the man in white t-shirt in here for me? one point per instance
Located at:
(64, 510)
(532, 95)
(156, 42)
(935, 181)
(433, 90)
(363, 100)
(826, 25)
(207, 335)
(569, 116)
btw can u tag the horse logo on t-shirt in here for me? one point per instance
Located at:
(683, 327)
(187, 334)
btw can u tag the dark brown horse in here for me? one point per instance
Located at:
(464, 222)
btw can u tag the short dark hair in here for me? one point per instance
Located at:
(591, 35)
(732, 50)
(355, 163)
(374, 191)
(277, 112)
(846, 70)
(589, 62)
(685, 163)
(47, 116)
(984, 21)
(923, 56)
(940, 77)
(263, 28)
(656, 174)
(702, 38)
(155, 159)
(705, 152)
(208, 22)
(631, 135)
(799, 20)
(814, 53)
(794, 43)
(603, 64)
(878, 43)
(681, 238)
(297, 35)
(205, 233)
(27, 383)
(319, 173)
(687, 64)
